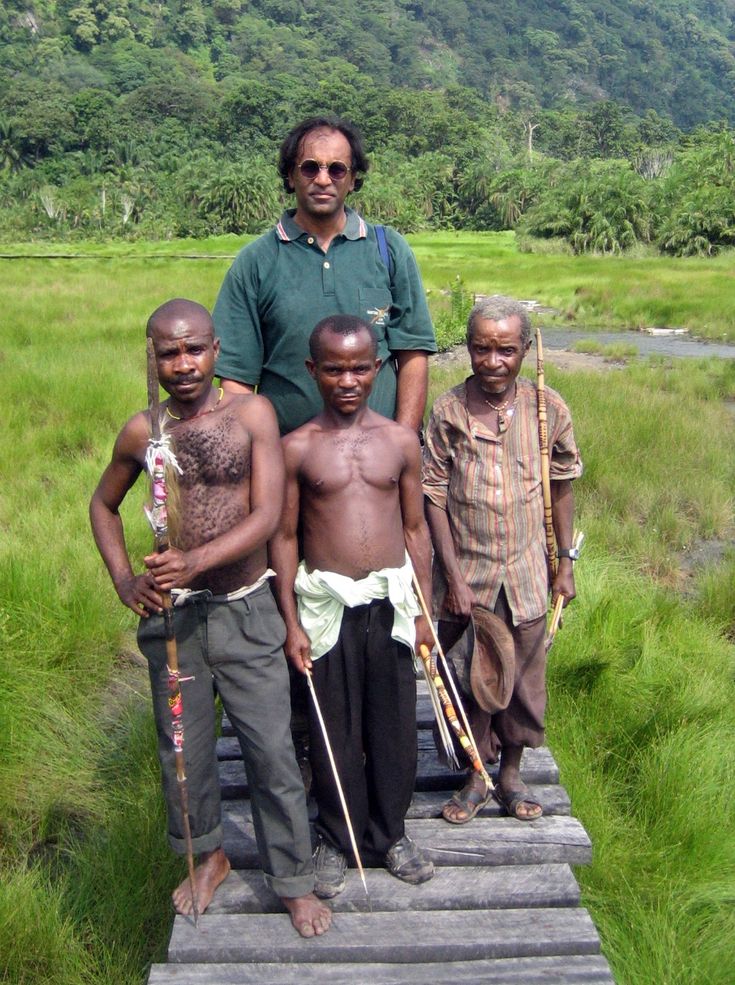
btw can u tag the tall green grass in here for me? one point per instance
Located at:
(641, 678)
(86, 871)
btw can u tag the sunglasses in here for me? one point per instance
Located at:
(337, 170)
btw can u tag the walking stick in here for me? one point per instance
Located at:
(543, 436)
(462, 730)
(338, 784)
(158, 454)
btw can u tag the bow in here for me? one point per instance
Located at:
(158, 456)
(462, 730)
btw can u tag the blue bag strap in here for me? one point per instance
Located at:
(383, 249)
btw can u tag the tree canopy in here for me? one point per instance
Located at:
(580, 120)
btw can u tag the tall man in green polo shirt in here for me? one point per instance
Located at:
(323, 259)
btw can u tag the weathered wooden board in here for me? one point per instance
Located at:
(433, 936)
(229, 748)
(584, 969)
(504, 841)
(424, 716)
(537, 767)
(429, 803)
(452, 888)
(487, 841)
(503, 907)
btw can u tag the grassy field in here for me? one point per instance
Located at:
(593, 291)
(642, 716)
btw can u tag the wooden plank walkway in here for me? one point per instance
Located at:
(503, 907)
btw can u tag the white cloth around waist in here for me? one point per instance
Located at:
(323, 595)
(180, 596)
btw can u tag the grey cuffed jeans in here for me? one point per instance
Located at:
(238, 647)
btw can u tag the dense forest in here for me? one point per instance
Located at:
(601, 125)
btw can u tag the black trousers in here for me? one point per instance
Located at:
(367, 693)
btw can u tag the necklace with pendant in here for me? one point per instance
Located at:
(220, 395)
(499, 408)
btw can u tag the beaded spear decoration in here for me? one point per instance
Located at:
(159, 457)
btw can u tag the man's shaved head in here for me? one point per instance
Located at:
(340, 325)
(178, 310)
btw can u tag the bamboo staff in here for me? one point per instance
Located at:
(462, 730)
(157, 456)
(543, 435)
(338, 784)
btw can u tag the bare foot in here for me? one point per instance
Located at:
(309, 915)
(212, 869)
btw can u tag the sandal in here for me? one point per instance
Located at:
(469, 800)
(511, 800)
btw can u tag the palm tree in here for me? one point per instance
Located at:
(12, 156)
(241, 198)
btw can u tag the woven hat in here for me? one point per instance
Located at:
(484, 658)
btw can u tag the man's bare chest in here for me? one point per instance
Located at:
(214, 453)
(351, 465)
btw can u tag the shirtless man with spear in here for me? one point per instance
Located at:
(227, 628)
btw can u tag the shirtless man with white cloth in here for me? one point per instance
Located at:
(353, 483)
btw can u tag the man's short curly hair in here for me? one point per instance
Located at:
(340, 325)
(499, 308)
(289, 151)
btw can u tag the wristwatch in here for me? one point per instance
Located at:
(572, 553)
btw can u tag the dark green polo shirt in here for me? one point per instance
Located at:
(282, 284)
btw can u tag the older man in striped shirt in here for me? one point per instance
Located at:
(484, 501)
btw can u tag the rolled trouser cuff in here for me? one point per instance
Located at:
(291, 886)
(204, 843)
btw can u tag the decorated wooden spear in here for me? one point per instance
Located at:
(158, 456)
(462, 729)
(337, 782)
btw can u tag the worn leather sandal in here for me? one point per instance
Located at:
(470, 799)
(512, 800)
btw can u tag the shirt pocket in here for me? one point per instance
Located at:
(375, 308)
(529, 479)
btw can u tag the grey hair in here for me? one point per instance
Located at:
(498, 308)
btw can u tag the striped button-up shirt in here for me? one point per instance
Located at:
(490, 486)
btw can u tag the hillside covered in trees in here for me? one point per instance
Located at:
(593, 122)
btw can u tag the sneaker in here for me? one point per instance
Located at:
(330, 865)
(406, 861)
